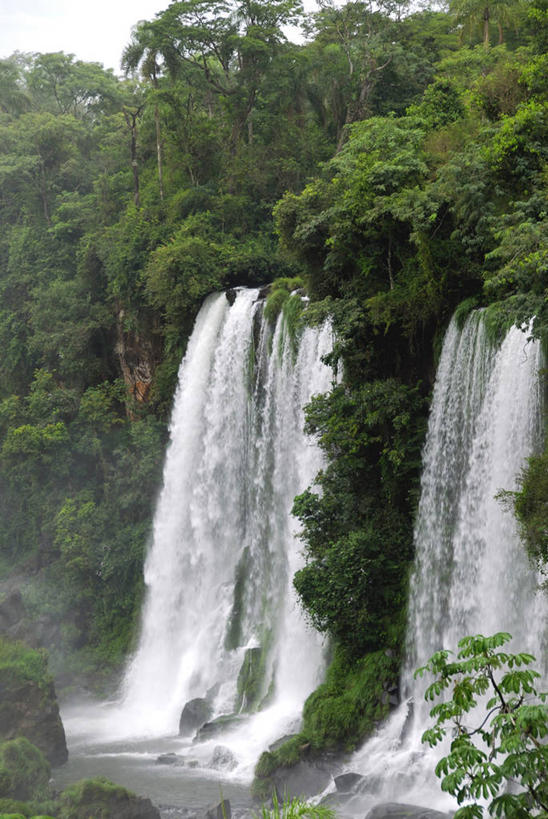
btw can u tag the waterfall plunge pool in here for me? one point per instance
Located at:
(97, 747)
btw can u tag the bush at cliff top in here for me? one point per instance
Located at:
(20, 662)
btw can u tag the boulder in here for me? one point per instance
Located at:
(303, 779)
(28, 704)
(346, 782)
(24, 770)
(101, 798)
(217, 726)
(170, 759)
(195, 714)
(395, 810)
(220, 811)
(223, 759)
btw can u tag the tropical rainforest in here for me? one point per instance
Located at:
(388, 160)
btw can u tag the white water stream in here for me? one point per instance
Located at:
(471, 572)
(224, 552)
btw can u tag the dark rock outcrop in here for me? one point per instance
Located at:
(346, 782)
(306, 778)
(394, 810)
(170, 759)
(195, 714)
(28, 704)
(217, 726)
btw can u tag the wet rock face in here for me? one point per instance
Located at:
(195, 714)
(303, 779)
(347, 782)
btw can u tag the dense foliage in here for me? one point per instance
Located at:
(393, 165)
(506, 745)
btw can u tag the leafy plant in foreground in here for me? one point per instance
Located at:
(295, 808)
(505, 757)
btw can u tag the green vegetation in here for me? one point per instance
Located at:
(98, 798)
(391, 167)
(509, 743)
(24, 770)
(531, 506)
(91, 797)
(19, 663)
(294, 809)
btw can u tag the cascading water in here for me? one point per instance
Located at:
(471, 571)
(219, 573)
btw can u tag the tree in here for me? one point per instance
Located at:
(230, 45)
(62, 85)
(472, 13)
(508, 746)
(13, 97)
(366, 37)
(144, 51)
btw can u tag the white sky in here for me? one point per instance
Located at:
(93, 30)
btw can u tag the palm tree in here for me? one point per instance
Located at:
(143, 50)
(474, 13)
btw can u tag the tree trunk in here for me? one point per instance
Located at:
(131, 120)
(158, 138)
(159, 152)
(43, 193)
(486, 27)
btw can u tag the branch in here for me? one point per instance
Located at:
(497, 689)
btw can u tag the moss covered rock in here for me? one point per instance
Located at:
(101, 799)
(28, 704)
(24, 771)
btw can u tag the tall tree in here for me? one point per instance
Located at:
(472, 14)
(363, 31)
(144, 51)
(230, 44)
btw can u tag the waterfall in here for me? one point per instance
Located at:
(471, 572)
(218, 575)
